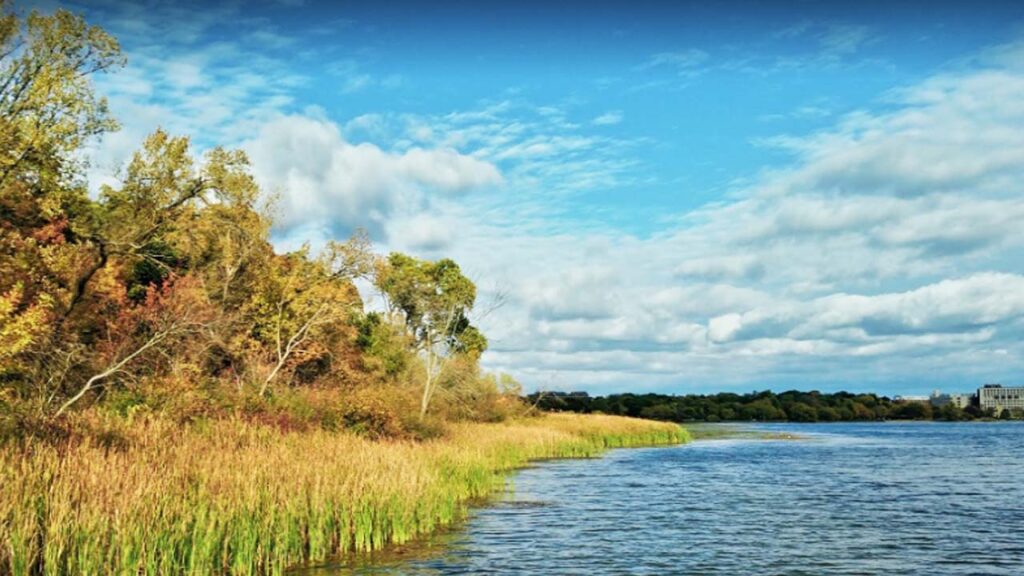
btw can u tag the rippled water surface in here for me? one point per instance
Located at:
(844, 499)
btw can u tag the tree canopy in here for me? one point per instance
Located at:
(432, 300)
(765, 406)
(165, 291)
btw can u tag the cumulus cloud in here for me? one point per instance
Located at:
(920, 149)
(421, 232)
(962, 305)
(888, 249)
(321, 177)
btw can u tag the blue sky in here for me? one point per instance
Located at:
(680, 198)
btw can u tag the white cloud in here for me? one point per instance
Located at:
(728, 267)
(888, 248)
(685, 62)
(536, 147)
(608, 118)
(956, 306)
(724, 328)
(323, 178)
(421, 232)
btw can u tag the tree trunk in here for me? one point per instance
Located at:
(427, 387)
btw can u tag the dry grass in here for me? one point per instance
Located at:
(236, 498)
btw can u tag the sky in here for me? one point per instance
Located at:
(679, 198)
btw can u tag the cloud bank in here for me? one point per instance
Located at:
(885, 252)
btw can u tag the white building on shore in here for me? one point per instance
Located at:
(910, 398)
(998, 397)
(961, 401)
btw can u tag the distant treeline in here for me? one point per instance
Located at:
(793, 406)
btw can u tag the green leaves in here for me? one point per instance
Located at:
(47, 104)
(434, 299)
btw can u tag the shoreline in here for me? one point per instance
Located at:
(435, 543)
(242, 499)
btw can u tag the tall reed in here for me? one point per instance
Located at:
(236, 498)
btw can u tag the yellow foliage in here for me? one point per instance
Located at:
(21, 324)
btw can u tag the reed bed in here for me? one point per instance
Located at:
(236, 498)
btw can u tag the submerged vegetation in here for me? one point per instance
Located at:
(704, 431)
(234, 497)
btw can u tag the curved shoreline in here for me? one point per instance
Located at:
(234, 498)
(431, 543)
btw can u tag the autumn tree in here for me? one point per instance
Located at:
(234, 228)
(47, 111)
(169, 215)
(134, 339)
(306, 304)
(168, 278)
(432, 300)
(47, 105)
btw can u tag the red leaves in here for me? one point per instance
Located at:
(53, 232)
(178, 307)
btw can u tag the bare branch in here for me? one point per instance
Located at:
(110, 371)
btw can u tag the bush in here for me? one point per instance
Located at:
(372, 414)
(22, 423)
(468, 395)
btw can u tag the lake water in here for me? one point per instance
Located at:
(878, 498)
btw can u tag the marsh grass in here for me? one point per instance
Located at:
(233, 497)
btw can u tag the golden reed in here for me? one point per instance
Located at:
(236, 498)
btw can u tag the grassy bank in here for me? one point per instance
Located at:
(236, 498)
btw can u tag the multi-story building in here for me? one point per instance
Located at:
(959, 400)
(999, 398)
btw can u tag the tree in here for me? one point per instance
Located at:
(908, 410)
(432, 300)
(20, 326)
(658, 412)
(47, 111)
(385, 347)
(47, 104)
(230, 238)
(302, 303)
(169, 313)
